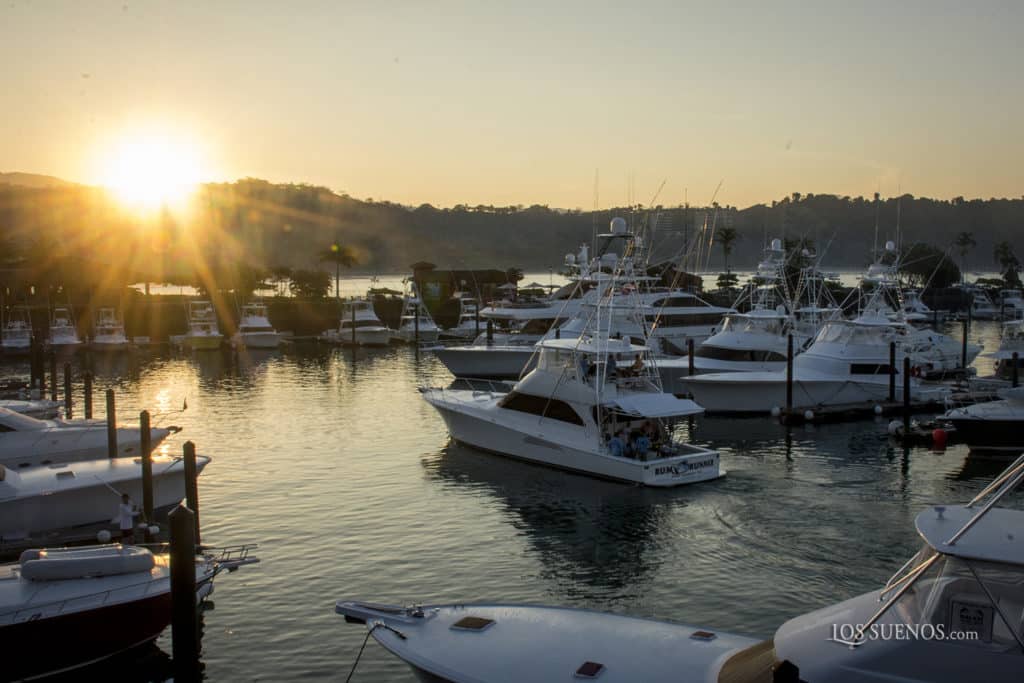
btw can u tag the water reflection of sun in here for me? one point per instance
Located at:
(150, 170)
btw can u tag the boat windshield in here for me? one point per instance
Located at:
(958, 595)
(744, 324)
(845, 333)
(11, 421)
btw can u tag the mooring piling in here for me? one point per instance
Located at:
(191, 485)
(963, 346)
(689, 356)
(1014, 373)
(67, 391)
(111, 425)
(184, 617)
(353, 324)
(87, 381)
(146, 448)
(906, 393)
(789, 374)
(53, 375)
(892, 372)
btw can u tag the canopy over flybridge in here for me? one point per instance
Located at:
(998, 538)
(590, 344)
(655, 405)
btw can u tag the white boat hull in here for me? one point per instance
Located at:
(68, 444)
(488, 362)
(367, 337)
(482, 432)
(761, 392)
(258, 340)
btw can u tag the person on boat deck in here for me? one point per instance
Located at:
(638, 365)
(611, 368)
(126, 513)
(641, 444)
(617, 445)
(584, 368)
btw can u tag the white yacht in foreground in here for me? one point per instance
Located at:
(955, 609)
(254, 328)
(566, 412)
(82, 605)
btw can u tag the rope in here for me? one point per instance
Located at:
(361, 648)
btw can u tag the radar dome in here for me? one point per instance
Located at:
(619, 225)
(776, 244)
(570, 259)
(890, 246)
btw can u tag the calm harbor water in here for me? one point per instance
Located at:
(330, 460)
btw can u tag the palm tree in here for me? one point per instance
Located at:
(727, 236)
(340, 256)
(1009, 264)
(964, 242)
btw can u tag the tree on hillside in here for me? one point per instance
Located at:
(340, 256)
(1009, 264)
(924, 265)
(726, 237)
(964, 242)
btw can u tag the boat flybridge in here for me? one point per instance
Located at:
(593, 405)
(981, 306)
(954, 612)
(109, 331)
(203, 333)
(16, 334)
(63, 334)
(254, 328)
(415, 324)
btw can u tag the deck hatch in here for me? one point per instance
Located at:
(472, 624)
(702, 635)
(589, 670)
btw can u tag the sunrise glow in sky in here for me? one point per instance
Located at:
(519, 103)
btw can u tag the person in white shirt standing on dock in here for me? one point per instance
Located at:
(126, 514)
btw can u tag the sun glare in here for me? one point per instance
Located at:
(152, 170)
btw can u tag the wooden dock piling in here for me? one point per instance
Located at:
(1015, 372)
(963, 344)
(111, 425)
(146, 448)
(689, 355)
(892, 372)
(67, 391)
(87, 381)
(906, 393)
(53, 375)
(191, 486)
(789, 374)
(353, 325)
(184, 617)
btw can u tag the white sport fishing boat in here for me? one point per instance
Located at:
(1011, 305)
(1011, 342)
(569, 411)
(40, 408)
(82, 605)
(61, 503)
(953, 613)
(109, 332)
(63, 333)
(981, 306)
(254, 328)
(469, 325)
(203, 333)
(16, 333)
(29, 442)
(359, 326)
(992, 426)
(847, 365)
(415, 323)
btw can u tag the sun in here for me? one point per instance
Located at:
(152, 169)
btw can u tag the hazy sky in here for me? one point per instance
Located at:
(521, 102)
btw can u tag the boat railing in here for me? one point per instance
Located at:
(479, 384)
